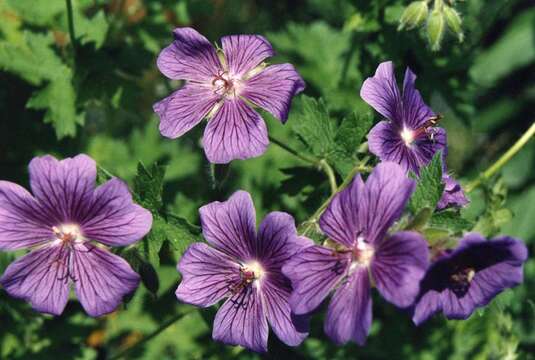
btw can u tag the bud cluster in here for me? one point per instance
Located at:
(437, 18)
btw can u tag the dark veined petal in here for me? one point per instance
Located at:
(382, 93)
(189, 57)
(241, 321)
(399, 264)
(277, 239)
(114, 219)
(41, 278)
(493, 266)
(23, 223)
(184, 109)
(340, 221)
(424, 148)
(230, 225)
(387, 191)
(64, 189)
(101, 279)
(235, 132)
(244, 52)
(290, 329)
(349, 316)
(273, 89)
(207, 275)
(415, 111)
(313, 272)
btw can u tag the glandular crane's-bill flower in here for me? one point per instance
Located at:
(243, 267)
(222, 85)
(363, 255)
(470, 276)
(68, 224)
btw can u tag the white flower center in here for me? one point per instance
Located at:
(68, 234)
(252, 271)
(407, 135)
(362, 254)
(225, 85)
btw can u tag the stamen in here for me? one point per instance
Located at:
(461, 279)
(362, 254)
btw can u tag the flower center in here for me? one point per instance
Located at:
(68, 234)
(407, 135)
(362, 254)
(461, 279)
(223, 84)
(251, 271)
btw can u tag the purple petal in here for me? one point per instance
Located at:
(273, 89)
(206, 275)
(63, 188)
(189, 57)
(101, 279)
(41, 278)
(230, 225)
(416, 112)
(235, 132)
(184, 109)
(497, 265)
(313, 272)
(290, 329)
(114, 219)
(244, 52)
(382, 93)
(453, 195)
(340, 220)
(349, 316)
(384, 141)
(241, 321)
(277, 239)
(387, 191)
(22, 221)
(399, 265)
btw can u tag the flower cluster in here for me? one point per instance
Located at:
(274, 277)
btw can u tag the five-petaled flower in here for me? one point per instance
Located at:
(357, 221)
(67, 223)
(470, 276)
(245, 268)
(409, 136)
(221, 85)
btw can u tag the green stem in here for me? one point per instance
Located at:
(70, 19)
(508, 155)
(319, 163)
(149, 337)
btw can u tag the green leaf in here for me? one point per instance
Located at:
(314, 126)
(451, 220)
(347, 141)
(419, 221)
(148, 187)
(149, 277)
(149, 248)
(37, 12)
(93, 29)
(430, 186)
(181, 233)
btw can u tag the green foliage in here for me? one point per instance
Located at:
(430, 187)
(495, 215)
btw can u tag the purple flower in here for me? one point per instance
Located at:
(363, 254)
(409, 136)
(221, 85)
(453, 195)
(245, 268)
(470, 276)
(67, 224)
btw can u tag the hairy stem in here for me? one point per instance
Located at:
(163, 327)
(321, 164)
(504, 159)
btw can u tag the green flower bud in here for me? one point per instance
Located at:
(453, 19)
(414, 15)
(435, 28)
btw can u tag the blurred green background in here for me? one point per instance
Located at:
(96, 97)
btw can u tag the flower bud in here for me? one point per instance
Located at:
(454, 22)
(435, 28)
(414, 15)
